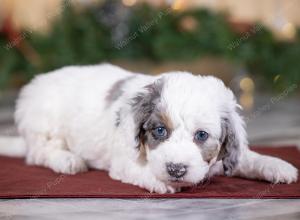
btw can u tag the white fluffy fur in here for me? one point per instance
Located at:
(67, 126)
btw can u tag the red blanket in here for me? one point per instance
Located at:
(20, 181)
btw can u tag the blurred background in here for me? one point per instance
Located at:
(252, 45)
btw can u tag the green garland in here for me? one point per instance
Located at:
(155, 34)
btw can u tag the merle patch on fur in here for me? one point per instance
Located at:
(143, 105)
(118, 118)
(116, 90)
(230, 148)
(209, 152)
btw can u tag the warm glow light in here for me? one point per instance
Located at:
(246, 100)
(289, 30)
(188, 23)
(247, 84)
(178, 5)
(276, 78)
(129, 2)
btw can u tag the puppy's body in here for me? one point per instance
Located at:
(71, 109)
(107, 118)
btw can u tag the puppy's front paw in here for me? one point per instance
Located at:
(148, 182)
(157, 186)
(161, 188)
(66, 162)
(279, 171)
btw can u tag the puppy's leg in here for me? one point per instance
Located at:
(216, 169)
(256, 166)
(52, 153)
(133, 173)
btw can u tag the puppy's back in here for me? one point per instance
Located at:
(49, 99)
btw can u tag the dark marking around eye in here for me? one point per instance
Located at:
(159, 133)
(209, 152)
(155, 121)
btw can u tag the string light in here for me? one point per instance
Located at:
(247, 84)
(289, 30)
(129, 2)
(276, 78)
(246, 98)
(188, 23)
(178, 5)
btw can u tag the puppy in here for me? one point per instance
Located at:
(157, 132)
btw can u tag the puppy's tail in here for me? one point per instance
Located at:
(12, 146)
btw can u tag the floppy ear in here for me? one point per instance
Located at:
(233, 139)
(143, 104)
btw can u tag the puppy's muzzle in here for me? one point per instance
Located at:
(176, 170)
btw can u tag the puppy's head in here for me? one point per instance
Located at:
(184, 124)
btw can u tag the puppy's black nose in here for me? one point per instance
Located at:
(176, 169)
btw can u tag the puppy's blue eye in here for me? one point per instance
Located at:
(160, 132)
(201, 136)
